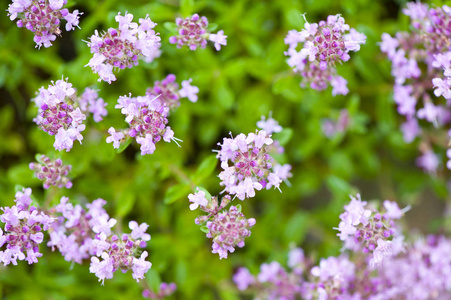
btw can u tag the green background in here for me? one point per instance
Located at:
(248, 78)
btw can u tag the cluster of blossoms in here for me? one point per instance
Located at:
(61, 113)
(22, 233)
(253, 169)
(77, 233)
(147, 115)
(193, 32)
(53, 172)
(122, 47)
(421, 66)
(43, 17)
(322, 46)
(369, 231)
(227, 228)
(251, 165)
(415, 271)
(168, 93)
(165, 291)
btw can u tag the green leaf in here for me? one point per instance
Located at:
(124, 145)
(186, 7)
(171, 27)
(284, 136)
(205, 169)
(204, 229)
(238, 206)
(125, 202)
(212, 27)
(176, 192)
(18, 188)
(338, 186)
(154, 280)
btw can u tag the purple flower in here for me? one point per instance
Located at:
(115, 137)
(61, 112)
(22, 234)
(139, 231)
(147, 119)
(43, 18)
(243, 279)
(198, 199)
(251, 165)
(140, 266)
(193, 32)
(121, 48)
(189, 91)
(269, 125)
(429, 161)
(102, 269)
(53, 172)
(168, 93)
(219, 39)
(323, 45)
(228, 230)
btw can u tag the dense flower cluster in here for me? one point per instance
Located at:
(400, 271)
(168, 93)
(22, 233)
(53, 172)
(227, 228)
(252, 168)
(323, 45)
(42, 17)
(193, 32)
(421, 66)
(61, 112)
(147, 119)
(165, 290)
(121, 48)
(81, 234)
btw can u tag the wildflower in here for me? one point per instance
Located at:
(323, 45)
(43, 17)
(52, 172)
(168, 92)
(147, 119)
(23, 232)
(193, 32)
(228, 229)
(122, 47)
(61, 113)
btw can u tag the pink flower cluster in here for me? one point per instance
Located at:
(246, 164)
(168, 93)
(147, 115)
(323, 45)
(252, 169)
(61, 113)
(193, 32)
(417, 271)
(227, 228)
(42, 17)
(53, 172)
(421, 65)
(122, 48)
(22, 233)
(369, 231)
(80, 234)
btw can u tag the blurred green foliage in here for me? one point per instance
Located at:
(248, 78)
